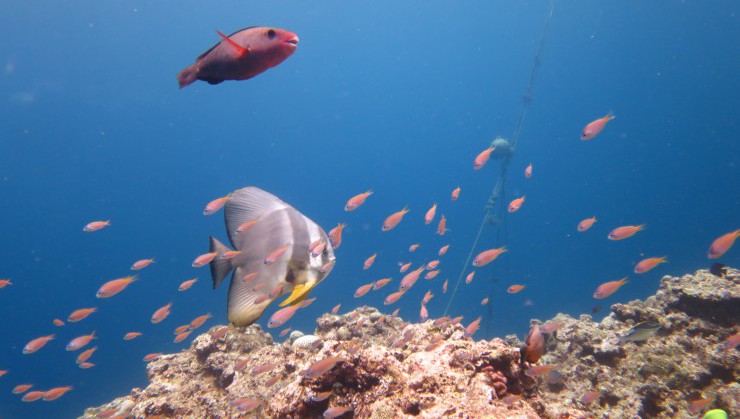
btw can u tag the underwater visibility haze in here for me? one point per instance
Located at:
(394, 98)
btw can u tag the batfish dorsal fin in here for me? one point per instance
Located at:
(248, 204)
(219, 267)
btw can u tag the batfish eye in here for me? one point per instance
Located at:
(271, 33)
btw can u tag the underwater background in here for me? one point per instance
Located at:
(394, 97)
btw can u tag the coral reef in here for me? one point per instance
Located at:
(377, 366)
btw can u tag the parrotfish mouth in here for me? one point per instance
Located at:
(294, 41)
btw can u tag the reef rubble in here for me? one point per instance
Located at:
(387, 368)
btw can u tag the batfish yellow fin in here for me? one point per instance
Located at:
(300, 292)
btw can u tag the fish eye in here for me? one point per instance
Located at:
(271, 33)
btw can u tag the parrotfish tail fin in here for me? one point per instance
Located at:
(300, 292)
(219, 267)
(187, 76)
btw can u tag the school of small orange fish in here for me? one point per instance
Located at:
(534, 341)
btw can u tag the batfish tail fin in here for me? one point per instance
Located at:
(219, 267)
(187, 76)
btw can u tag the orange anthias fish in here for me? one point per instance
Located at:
(647, 264)
(21, 388)
(319, 368)
(37, 344)
(484, 301)
(595, 127)
(369, 262)
(431, 274)
(413, 247)
(528, 172)
(357, 200)
(392, 298)
(198, 321)
(58, 323)
(487, 256)
(113, 287)
(427, 297)
(621, 233)
(335, 235)
(731, 342)
(455, 194)
(283, 315)
(472, 327)
(84, 356)
(405, 267)
(442, 227)
(81, 314)
(516, 204)
(32, 396)
(590, 396)
(215, 205)
(141, 264)
(443, 250)
(586, 224)
(410, 279)
(423, 313)
(79, 342)
(535, 345)
(56, 393)
(429, 216)
(608, 288)
(515, 288)
(161, 313)
(241, 55)
(95, 226)
(364, 289)
(444, 287)
(204, 259)
(336, 308)
(432, 265)
(131, 335)
(482, 158)
(276, 254)
(381, 283)
(182, 336)
(5, 282)
(469, 278)
(187, 284)
(722, 244)
(392, 221)
(245, 226)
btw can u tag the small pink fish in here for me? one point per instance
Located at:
(79, 342)
(5, 282)
(85, 365)
(392, 220)
(469, 278)
(285, 331)
(21, 388)
(427, 297)
(261, 369)
(539, 370)
(336, 308)
(327, 267)
(444, 287)
(455, 194)
(161, 313)
(528, 172)
(113, 287)
(187, 284)
(595, 127)
(590, 396)
(410, 279)
(423, 313)
(335, 235)
(181, 329)
(141, 264)
(336, 411)
(482, 158)
(283, 315)
(472, 327)
(151, 357)
(364, 289)
(443, 250)
(731, 342)
(318, 249)
(36, 344)
(319, 368)
(392, 298)
(84, 356)
(405, 267)
(381, 283)
(215, 205)
(586, 224)
(198, 321)
(95, 226)
(250, 276)
(32, 396)
(442, 227)
(429, 216)
(621, 233)
(413, 247)
(608, 288)
(276, 254)
(432, 265)
(245, 226)
(369, 262)
(722, 244)
(513, 289)
(431, 274)
(81, 314)
(487, 256)
(550, 328)
(58, 323)
(56, 393)
(204, 259)
(357, 200)
(229, 254)
(646, 265)
(484, 301)
(516, 204)
(275, 292)
(131, 335)
(245, 404)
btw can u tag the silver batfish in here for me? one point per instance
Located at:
(276, 225)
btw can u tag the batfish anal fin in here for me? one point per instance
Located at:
(219, 267)
(240, 50)
(300, 292)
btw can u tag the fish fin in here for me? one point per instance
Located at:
(610, 115)
(187, 76)
(213, 81)
(242, 309)
(219, 267)
(300, 292)
(240, 50)
(247, 204)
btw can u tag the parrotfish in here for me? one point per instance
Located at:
(294, 270)
(241, 55)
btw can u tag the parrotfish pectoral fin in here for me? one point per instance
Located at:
(300, 292)
(240, 50)
(219, 267)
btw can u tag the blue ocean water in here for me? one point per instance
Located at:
(394, 97)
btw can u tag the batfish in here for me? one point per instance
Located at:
(277, 225)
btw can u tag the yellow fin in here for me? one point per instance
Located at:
(300, 292)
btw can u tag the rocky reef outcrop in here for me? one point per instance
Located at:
(365, 364)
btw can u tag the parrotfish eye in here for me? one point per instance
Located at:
(271, 33)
